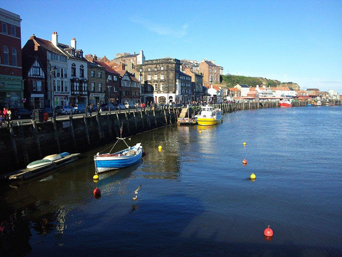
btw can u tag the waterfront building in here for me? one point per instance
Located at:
(77, 72)
(210, 71)
(131, 88)
(112, 86)
(244, 89)
(283, 92)
(163, 82)
(96, 81)
(11, 77)
(45, 73)
(196, 83)
(129, 61)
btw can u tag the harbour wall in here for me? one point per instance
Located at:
(21, 144)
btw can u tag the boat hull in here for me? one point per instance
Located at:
(285, 104)
(208, 121)
(107, 162)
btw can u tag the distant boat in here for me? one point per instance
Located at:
(285, 103)
(39, 164)
(209, 116)
(319, 103)
(121, 159)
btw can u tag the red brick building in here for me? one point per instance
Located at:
(11, 81)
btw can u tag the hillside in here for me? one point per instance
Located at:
(233, 80)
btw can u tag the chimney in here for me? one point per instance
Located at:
(73, 43)
(54, 38)
(95, 57)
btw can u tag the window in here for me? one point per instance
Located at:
(162, 68)
(62, 72)
(100, 87)
(58, 85)
(92, 74)
(109, 77)
(13, 31)
(6, 55)
(62, 58)
(115, 78)
(155, 77)
(39, 85)
(114, 89)
(161, 76)
(149, 77)
(4, 28)
(73, 70)
(161, 87)
(100, 74)
(92, 87)
(81, 71)
(149, 69)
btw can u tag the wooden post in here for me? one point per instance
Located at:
(109, 125)
(14, 145)
(72, 131)
(36, 138)
(56, 133)
(86, 129)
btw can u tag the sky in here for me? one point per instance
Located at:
(287, 40)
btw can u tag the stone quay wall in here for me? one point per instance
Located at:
(21, 144)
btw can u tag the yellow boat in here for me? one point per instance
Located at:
(209, 116)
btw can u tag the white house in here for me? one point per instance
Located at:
(243, 88)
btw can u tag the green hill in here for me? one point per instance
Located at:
(233, 80)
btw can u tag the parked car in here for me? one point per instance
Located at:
(121, 107)
(66, 109)
(20, 113)
(48, 110)
(105, 107)
(79, 108)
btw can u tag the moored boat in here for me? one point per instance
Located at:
(40, 167)
(209, 116)
(117, 160)
(285, 103)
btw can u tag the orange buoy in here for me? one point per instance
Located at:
(97, 192)
(244, 161)
(268, 232)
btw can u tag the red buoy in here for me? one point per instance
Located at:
(97, 192)
(244, 161)
(268, 232)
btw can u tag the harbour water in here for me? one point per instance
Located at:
(196, 199)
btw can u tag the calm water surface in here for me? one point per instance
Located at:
(196, 197)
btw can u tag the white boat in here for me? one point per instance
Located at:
(57, 156)
(39, 164)
(209, 116)
(117, 160)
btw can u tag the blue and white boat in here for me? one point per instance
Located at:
(118, 160)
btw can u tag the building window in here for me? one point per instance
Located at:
(92, 87)
(149, 77)
(6, 55)
(73, 70)
(109, 77)
(162, 68)
(155, 77)
(149, 69)
(13, 31)
(92, 74)
(39, 85)
(114, 89)
(115, 78)
(4, 28)
(161, 76)
(81, 71)
(100, 74)
(161, 87)
(100, 87)
(62, 72)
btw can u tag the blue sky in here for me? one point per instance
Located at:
(290, 40)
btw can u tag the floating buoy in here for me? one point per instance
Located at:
(268, 232)
(253, 176)
(244, 161)
(97, 192)
(95, 177)
(244, 143)
(160, 148)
